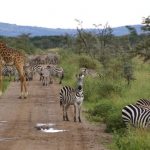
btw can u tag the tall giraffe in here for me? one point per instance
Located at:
(10, 56)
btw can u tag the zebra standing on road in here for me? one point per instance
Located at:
(136, 116)
(70, 96)
(56, 71)
(45, 75)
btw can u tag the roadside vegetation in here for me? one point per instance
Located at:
(122, 66)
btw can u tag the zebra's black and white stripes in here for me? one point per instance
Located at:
(136, 116)
(56, 71)
(70, 96)
(145, 103)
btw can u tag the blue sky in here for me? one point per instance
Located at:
(62, 13)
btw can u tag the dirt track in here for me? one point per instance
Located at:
(18, 118)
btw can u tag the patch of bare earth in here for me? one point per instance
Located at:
(18, 118)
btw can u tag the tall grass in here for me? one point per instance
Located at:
(105, 98)
(5, 85)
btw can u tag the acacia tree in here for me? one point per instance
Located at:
(146, 22)
(85, 40)
(143, 48)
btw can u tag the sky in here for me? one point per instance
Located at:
(63, 13)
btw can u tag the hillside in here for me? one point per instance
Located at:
(12, 30)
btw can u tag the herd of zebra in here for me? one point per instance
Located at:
(138, 114)
(44, 65)
(68, 95)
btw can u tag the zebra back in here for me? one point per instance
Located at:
(65, 93)
(136, 116)
(143, 103)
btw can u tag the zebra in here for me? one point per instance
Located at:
(137, 116)
(56, 71)
(70, 96)
(143, 103)
(8, 71)
(45, 76)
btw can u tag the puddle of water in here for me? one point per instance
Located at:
(3, 121)
(52, 130)
(47, 128)
(44, 124)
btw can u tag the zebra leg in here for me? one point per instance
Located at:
(79, 110)
(67, 119)
(74, 113)
(64, 117)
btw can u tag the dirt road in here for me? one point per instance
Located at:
(18, 118)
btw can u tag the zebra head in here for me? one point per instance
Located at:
(80, 78)
(79, 95)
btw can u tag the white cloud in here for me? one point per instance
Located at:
(62, 13)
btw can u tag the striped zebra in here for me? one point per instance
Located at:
(56, 71)
(143, 103)
(45, 76)
(8, 71)
(136, 116)
(70, 96)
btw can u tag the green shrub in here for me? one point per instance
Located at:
(132, 140)
(87, 62)
(108, 88)
(114, 121)
(101, 110)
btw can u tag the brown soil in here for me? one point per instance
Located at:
(18, 118)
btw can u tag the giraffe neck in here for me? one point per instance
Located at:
(3, 47)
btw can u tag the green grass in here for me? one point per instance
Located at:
(6, 83)
(105, 97)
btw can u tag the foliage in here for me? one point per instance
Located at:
(87, 62)
(146, 22)
(132, 139)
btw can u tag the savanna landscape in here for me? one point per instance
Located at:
(116, 73)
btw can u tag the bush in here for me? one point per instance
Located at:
(108, 88)
(87, 62)
(101, 110)
(114, 121)
(132, 140)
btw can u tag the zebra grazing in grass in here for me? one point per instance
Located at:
(70, 96)
(143, 103)
(137, 116)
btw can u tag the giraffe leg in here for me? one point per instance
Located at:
(25, 88)
(24, 92)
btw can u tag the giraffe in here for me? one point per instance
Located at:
(13, 57)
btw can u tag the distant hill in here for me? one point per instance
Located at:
(13, 30)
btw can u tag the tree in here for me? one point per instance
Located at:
(133, 36)
(143, 47)
(146, 23)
